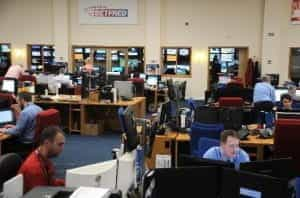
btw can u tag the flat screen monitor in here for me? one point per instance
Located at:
(6, 116)
(172, 51)
(278, 93)
(78, 50)
(297, 92)
(227, 50)
(287, 114)
(280, 168)
(131, 132)
(187, 182)
(142, 76)
(9, 85)
(242, 184)
(153, 80)
(183, 52)
(227, 57)
(125, 89)
(188, 161)
(117, 69)
(36, 53)
(224, 79)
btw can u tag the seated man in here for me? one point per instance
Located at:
(23, 132)
(286, 102)
(37, 169)
(229, 149)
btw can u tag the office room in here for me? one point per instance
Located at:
(140, 98)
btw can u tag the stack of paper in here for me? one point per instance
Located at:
(90, 192)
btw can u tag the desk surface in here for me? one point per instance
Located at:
(63, 100)
(252, 139)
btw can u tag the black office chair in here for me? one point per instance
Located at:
(9, 166)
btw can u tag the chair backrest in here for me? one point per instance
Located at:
(122, 119)
(8, 97)
(192, 104)
(206, 143)
(199, 130)
(9, 166)
(27, 78)
(286, 140)
(44, 119)
(231, 101)
(208, 115)
(138, 85)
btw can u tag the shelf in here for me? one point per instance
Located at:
(75, 130)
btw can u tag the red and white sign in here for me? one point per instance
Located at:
(295, 17)
(107, 11)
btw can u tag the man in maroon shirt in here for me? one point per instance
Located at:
(37, 169)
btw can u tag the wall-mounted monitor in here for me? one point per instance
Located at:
(172, 51)
(184, 52)
(227, 50)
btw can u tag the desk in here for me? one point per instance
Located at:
(157, 92)
(82, 107)
(253, 141)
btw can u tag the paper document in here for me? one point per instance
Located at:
(90, 192)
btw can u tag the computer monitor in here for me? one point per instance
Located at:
(131, 132)
(241, 184)
(191, 161)
(142, 76)
(9, 85)
(96, 175)
(287, 114)
(13, 187)
(278, 93)
(280, 168)
(111, 174)
(6, 116)
(186, 182)
(125, 89)
(113, 76)
(152, 80)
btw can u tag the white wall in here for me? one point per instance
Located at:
(211, 23)
(286, 35)
(25, 22)
(241, 23)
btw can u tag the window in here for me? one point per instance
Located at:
(176, 61)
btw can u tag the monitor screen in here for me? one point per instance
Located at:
(237, 184)
(131, 132)
(271, 167)
(187, 182)
(142, 75)
(183, 52)
(188, 160)
(227, 50)
(215, 50)
(227, 57)
(6, 116)
(297, 92)
(117, 69)
(78, 50)
(5, 48)
(9, 85)
(172, 51)
(224, 79)
(125, 89)
(279, 92)
(36, 53)
(152, 80)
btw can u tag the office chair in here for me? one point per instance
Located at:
(31, 78)
(9, 166)
(286, 140)
(44, 119)
(204, 144)
(199, 130)
(9, 98)
(231, 101)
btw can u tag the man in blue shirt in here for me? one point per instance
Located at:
(23, 132)
(264, 100)
(229, 149)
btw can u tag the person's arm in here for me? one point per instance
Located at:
(273, 95)
(244, 157)
(20, 126)
(58, 182)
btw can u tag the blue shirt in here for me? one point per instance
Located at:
(264, 91)
(25, 125)
(216, 153)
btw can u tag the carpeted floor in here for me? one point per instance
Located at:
(83, 150)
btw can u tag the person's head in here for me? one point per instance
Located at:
(24, 98)
(229, 143)
(266, 78)
(52, 140)
(88, 61)
(286, 101)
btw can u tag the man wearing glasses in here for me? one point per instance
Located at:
(229, 149)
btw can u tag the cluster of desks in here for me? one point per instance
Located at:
(252, 141)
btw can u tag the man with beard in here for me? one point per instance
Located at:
(38, 170)
(22, 133)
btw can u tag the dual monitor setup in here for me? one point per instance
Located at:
(257, 179)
